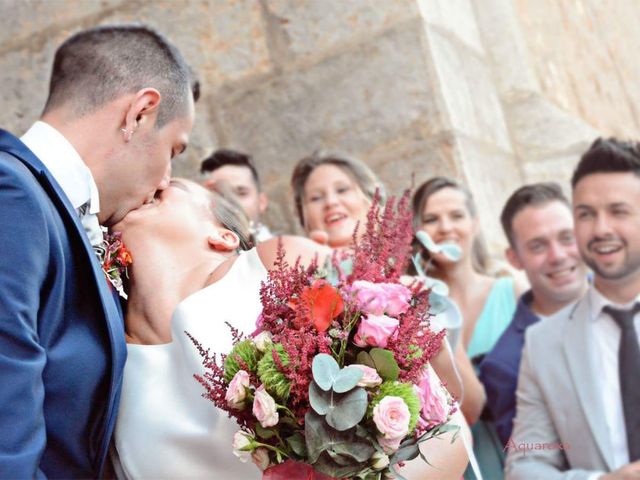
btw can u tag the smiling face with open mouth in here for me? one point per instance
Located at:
(334, 203)
(607, 217)
(544, 246)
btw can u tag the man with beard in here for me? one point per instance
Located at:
(578, 399)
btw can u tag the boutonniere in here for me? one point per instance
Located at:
(114, 258)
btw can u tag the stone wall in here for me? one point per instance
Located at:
(496, 92)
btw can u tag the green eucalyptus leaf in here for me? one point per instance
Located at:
(320, 401)
(385, 364)
(264, 432)
(364, 358)
(317, 436)
(326, 465)
(347, 379)
(324, 369)
(341, 460)
(358, 449)
(348, 409)
(297, 444)
(405, 453)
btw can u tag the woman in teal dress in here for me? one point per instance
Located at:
(445, 210)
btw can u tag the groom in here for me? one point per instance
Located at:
(120, 107)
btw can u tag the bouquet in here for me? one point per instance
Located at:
(336, 377)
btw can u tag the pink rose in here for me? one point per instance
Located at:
(237, 390)
(378, 298)
(264, 408)
(434, 399)
(369, 297)
(370, 377)
(398, 297)
(389, 445)
(260, 457)
(391, 417)
(375, 330)
(241, 443)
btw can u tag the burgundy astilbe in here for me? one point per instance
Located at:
(215, 387)
(383, 252)
(301, 346)
(415, 344)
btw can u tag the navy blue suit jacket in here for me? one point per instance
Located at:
(499, 368)
(62, 347)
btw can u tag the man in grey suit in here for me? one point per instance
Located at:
(578, 398)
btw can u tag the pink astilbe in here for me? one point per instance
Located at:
(383, 252)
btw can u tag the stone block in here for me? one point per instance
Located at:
(540, 129)
(573, 53)
(506, 48)
(25, 85)
(492, 175)
(222, 40)
(413, 157)
(350, 102)
(455, 16)
(29, 18)
(309, 28)
(468, 90)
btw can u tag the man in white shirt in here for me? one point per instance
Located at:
(120, 107)
(578, 397)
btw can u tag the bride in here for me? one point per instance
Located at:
(189, 275)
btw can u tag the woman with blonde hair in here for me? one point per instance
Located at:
(446, 211)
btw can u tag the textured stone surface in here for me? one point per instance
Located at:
(455, 16)
(22, 18)
(351, 102)
(413, 87)
(311, 27)
(468, 90)
(572, 45)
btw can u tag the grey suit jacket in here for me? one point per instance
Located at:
(559, 431)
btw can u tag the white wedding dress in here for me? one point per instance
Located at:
(165, 429)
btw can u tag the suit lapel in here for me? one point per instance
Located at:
(112, 312)
(579, 351)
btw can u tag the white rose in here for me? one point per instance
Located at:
(262, 341)
(241, 441)
(379, 461)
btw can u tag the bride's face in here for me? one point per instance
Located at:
(179, 214)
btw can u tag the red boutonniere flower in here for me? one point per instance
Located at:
(115, 258)
(318, 304)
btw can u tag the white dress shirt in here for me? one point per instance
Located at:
(606, 338)
(71, 173)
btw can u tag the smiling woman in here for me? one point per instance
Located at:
(333, 194)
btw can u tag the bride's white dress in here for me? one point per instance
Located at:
(165, 428)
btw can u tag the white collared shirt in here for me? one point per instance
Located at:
(606, 337)
(67, 167)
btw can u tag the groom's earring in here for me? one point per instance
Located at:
(127, 134)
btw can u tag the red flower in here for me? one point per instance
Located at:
(124, 257)
(318, 304)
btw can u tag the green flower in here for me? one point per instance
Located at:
(406, 392)
(244, 352)
(273, 379)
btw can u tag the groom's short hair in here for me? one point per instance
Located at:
(96, 66)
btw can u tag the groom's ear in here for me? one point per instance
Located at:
(224, 240)
(143, 110)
